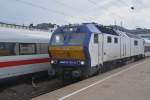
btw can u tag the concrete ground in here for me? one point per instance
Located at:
(130, 82)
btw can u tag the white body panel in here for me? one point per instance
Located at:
(125, 48)
(136, 50)
(96, 58)
(23, 69)
(22, 57)
(111, 50)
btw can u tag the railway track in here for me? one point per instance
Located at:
(26, 89)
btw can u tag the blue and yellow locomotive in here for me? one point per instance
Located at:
(82, 50)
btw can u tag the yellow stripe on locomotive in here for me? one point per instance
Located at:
(67, 52)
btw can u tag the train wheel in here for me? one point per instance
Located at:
(103, 69)
(99, 70)
(85, 75)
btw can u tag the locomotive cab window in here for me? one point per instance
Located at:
(115, 40)
(109, 39)
(68, 38)
(135, 42)
(95, 38)
(27, 48)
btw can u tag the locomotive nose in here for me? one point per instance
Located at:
(67, 52)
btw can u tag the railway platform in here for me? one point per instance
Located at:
(130, 82)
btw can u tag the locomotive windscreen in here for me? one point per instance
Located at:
(68, 39)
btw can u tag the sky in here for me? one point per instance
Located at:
(106, 12)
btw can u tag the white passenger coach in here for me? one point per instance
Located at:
(147, 47)
(23, 51)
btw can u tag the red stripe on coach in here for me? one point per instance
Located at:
(23, 62)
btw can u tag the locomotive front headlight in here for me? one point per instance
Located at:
(52, 61)
(82, 62)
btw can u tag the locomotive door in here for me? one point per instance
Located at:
(96, 50)
(100, 49)
(123, 46)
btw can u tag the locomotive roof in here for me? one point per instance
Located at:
(77, 28)
(133, 36)
(94, 28)
(106, 30)
(147, 40)
(23, 35)
(128, 34)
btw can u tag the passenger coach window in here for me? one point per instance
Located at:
(27, 48)
(115, 40)
(7, 49)
(109, 39)
(95, 38)
(135, 42)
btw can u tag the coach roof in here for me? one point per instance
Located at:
(23, 35)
